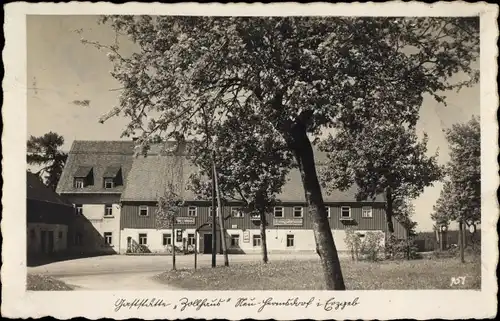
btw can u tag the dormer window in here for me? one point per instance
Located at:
(84, 176)
(112, 176)
(108, 183)
(79, 183)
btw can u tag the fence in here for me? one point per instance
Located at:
(426, 241)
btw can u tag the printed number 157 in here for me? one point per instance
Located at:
(460, 280)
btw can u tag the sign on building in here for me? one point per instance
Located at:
(287, 221)
(246, 237)
(185, 220)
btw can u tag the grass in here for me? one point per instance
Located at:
(307, 275)
(38, 282)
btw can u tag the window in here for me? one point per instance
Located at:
(108, 238)
(210, 211)
(297, 211)
(329, 211)
(108, 210)
(32, 234)
(190, 239)
(108, 183)
(60, 235)
(79, 183)
(367, 212)
(235, 240)
(143, 239)
(79, 209)
(290, 241)
(278, 211)
(256, 240)
(143, 210)
(345, 211)
(192, 211)
(236, 212)
(167, 239)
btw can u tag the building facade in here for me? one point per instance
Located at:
(49, 221)
(117, 193)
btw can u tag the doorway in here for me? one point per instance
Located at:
(43, 241)
(50, 242)
(207, 244)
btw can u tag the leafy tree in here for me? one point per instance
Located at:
(301, 75)
(403, 212)
(171, 201)
(460, 198)
(250, 167)
(383, 158)
(45, 151)
(168, 208)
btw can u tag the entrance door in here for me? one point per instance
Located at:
(207, 243)
(43, 241)
(50, 241)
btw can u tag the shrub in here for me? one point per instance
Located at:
(401, 249)
(353, 242)
(372, 246)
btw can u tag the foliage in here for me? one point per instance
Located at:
(460, 198)
(401, 249)
(171, 201)
(251, 169)
(372, 246)
(38, 282)
(296, 76)
(44, 151)
(404, 211)
(382, 156)
(353, 242)
(168, 206)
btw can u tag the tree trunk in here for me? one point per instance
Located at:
(299, 143)
(263, 223)
(408, 244)
(173, 242)
(214, 224)
(221, 219)
(390, 226)
(389, 210)
(461, 240)
(466, 235)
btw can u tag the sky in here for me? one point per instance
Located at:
(60, 69)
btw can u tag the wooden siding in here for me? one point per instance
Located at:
(130, 217)
(93, 198)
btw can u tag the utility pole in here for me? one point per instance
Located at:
(221, 220)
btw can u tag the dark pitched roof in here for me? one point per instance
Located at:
(293, 191)
(37, 191)
(150, 176)
(82, 171)
(111, 171)
(98, 155)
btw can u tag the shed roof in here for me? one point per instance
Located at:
(37, 191)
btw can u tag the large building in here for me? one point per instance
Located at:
(117, 193)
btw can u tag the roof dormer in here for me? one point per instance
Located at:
(83, 177)
(112, 176)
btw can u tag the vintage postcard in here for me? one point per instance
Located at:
(264, 161)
